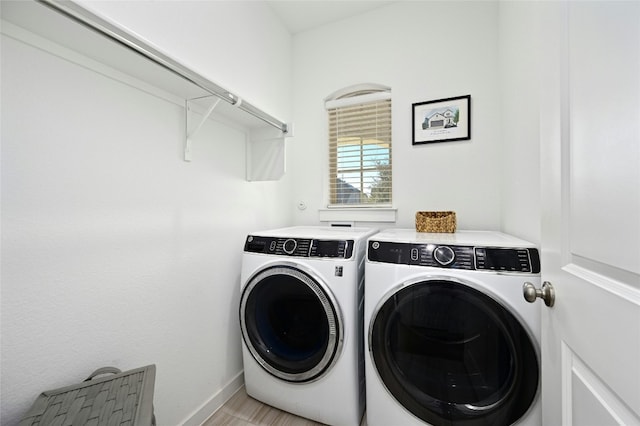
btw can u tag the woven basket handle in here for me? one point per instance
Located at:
(103, 370)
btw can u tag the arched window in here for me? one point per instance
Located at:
(360, 146)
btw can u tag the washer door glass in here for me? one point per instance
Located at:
(451, 354)
(290, 324)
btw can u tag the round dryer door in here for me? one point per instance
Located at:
(451, 354)
(290, 323)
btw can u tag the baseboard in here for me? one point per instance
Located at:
(216, 401)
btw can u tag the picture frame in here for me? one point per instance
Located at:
(441, 120)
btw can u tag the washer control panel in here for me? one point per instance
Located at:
(300, 247)
(499, 259)
(518, 260)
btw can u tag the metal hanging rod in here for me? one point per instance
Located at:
(92, 21)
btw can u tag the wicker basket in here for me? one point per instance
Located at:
(436, 222)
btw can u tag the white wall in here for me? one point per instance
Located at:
(114, 250)
(240, 45)
(520, 201)
(424, 51)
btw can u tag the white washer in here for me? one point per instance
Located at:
(301, 316)
(450, 338)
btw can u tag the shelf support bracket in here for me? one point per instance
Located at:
(191, 134)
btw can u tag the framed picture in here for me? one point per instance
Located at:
(442, 120)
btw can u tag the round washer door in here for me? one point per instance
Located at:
(451, 354)
(290, 323)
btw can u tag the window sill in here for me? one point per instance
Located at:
(362, 214)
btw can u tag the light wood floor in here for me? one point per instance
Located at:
(242, 410)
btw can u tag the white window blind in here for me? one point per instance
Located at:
(360, 150)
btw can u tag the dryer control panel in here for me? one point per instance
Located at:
(300, 247)
(518, 260)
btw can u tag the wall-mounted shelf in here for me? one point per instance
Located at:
(70, 25)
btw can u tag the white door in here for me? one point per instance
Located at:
(590, 147)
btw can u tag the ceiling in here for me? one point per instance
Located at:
(303, 15)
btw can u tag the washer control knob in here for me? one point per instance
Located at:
(289, 246)
(444, 255)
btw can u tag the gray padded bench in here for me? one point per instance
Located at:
(121, 398)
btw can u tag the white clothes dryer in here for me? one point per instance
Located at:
(301, 317)
(450, 338)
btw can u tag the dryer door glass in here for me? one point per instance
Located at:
(290, 324)
(449, 353)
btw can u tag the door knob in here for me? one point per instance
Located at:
(546, 293)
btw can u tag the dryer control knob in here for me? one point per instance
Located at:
(289, 246)
(444, 255)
